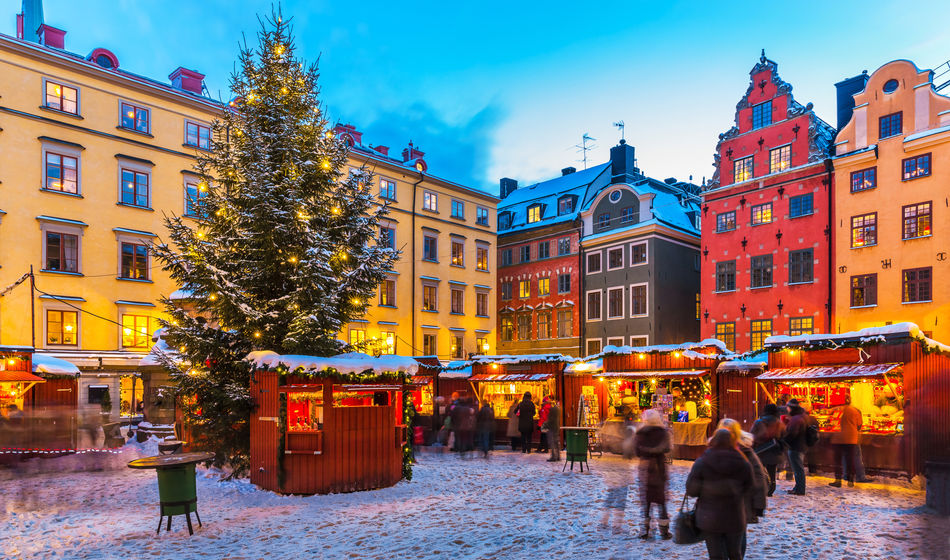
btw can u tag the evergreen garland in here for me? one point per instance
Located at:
(285, 252)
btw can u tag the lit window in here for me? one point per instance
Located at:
(458, 253)
(387, 293)
(457, 350)
(62, 98)
(134, 118)
(507, 329)
(134, 188)
(197, 135)
(134, 261)
(801, 325)
(916, 220)
(524, 289)
(195, 195)
(915, 167)
(534, 214)
(726, 332)
(135, 332)
(481, 257)
(762, 214)
(762, 114)
(864, 179)
(544, 286)
(761, 329)
(62, 173)
(725, 221)
(864, 230)
(62, 327)
(864, 290)
(742, 169)
(357, 338)
(430, 298)
(387, 342)
(780, 159)
(429, 347)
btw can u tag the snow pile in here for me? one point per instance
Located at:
(44, 363)
(349, 363)
(160, 348)
(511, 506)
(582, 367)
(869, 335)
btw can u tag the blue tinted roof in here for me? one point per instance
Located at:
(547, 194)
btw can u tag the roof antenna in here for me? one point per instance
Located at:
(584, 148)
(619, 124)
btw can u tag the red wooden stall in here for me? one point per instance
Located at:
(326, 425)
(737, 392)
(899, 379)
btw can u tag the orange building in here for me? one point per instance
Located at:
(891, 219)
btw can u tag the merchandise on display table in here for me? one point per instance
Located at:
(503, 390)
(880, 402)
(305, 410)
(421, 390)
(678, 400)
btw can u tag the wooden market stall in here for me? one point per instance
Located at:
(327, 425)
(737, 396)
(678, 380)
(503, 380)
(897, 378)
(423, 390)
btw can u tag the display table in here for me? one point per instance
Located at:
(577, 441)
(177, 493)
(691, 433)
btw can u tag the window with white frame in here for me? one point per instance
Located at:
(387, 189)
(136, 331)
(196, 191)
(458, 209)
(62, 327)
(615, 303)
(61, 246)
(638, 341)
(614, 341)
(593, 262)
(61, 171)
(481, 216)
(638, 253)
(638, 300)
(614, 258)
(481, 304)
(481, 257)
(134, 186)
(593, 346)
(594, 307)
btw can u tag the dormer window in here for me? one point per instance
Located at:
(534, 213)
(504, 220)
(565, 205)
(761, 115)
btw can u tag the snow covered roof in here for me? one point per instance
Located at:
(688, 349)
(349, 363)
(746, 362)
(44, 363)
(547, 194)
(159, 348)
(870, 335)
(505, 359)
(181, 294)
(671, 206)
(585, 366)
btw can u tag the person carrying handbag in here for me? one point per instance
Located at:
(768, 432)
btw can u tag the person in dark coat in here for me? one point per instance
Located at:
(463, 421)
(721, 479)
(795, 440)
(514, 436)
(526, 412)
(768, 433)
(553, 431)
(485, 426)
(651, 444)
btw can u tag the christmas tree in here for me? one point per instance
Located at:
(286, 251)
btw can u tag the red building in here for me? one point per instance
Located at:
(766, 265)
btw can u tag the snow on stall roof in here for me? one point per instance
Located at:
(746, 362)
(866, 335)
(458, 369)
(506, 359)
(582, 366)
(352, 362)
(44, 363)
(689, 349)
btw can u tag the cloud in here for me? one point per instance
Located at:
(456, 150)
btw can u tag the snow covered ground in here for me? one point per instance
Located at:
(511, 506)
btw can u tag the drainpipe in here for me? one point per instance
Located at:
(412, 255)
(829, 320)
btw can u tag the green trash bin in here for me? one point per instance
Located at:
(576, 441)
(177, 491)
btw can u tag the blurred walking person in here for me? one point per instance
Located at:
(526, 411)
(652, 443)
(514, 436)
(795, 439)
(767, 439)
(552, 424)
(845, 441)
(485, 426)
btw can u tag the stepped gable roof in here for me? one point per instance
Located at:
(547, 193)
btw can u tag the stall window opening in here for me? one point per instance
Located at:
(305, 410)
(350, 396)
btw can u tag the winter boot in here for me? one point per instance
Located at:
(665, 529)
(645, 531)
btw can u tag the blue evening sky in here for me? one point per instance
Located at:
(492, 89)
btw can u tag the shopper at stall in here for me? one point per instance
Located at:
(652, 443)
(721, 479)
(463, 421)
(553, 425)
(526, 411)
(512, 432)
(768, 432)
(845, 441)
(485, 426)
(758, 498)
(542, 419)
(795, 440)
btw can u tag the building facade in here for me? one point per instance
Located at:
(440, 299)
(892, 166)
(766, 220)
(91, 156)
(640, 258)
(539, 274)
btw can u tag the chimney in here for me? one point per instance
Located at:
(350, 135)
(622, 163)
(846, 90)
(567, 171)
(382, 149)
(29, 20)
(52, 37)
(187, 80)
(508, 186)
(411, 153)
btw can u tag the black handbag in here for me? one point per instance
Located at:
(685, 530)
(770, 445)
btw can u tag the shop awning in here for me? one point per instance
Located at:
(19, 377)
(420, 380)
(828, 373)
(511, 377)
(666, 374)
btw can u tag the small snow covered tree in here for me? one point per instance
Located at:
(285, 252)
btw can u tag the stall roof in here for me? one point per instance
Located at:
(353, 362)
(505, 359)
(591, 367)
(659, 373)
(750, 362)
(19, 377)
(689, 349)
(827, 373)
(512, 377)
(44, 363)
(870, 335)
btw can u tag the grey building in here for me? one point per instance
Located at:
(640, 259)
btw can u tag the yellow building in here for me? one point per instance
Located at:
(440, 299)
(91, 158)
(892, 171)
